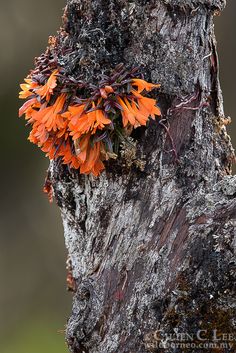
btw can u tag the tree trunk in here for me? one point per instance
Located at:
(152, 252)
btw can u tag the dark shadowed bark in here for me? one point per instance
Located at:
(152, 252)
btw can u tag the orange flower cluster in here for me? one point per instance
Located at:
(77, 131)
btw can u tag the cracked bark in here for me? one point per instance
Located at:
(151, 250)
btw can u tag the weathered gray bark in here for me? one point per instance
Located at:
(152, 250)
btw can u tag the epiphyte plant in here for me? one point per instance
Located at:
(83, 124)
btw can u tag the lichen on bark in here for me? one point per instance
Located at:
(154, 249)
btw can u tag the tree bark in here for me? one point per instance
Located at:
(152, 252)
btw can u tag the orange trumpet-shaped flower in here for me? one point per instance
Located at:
(128, 115)
(27, 88)
(77, 119)
(82, 122)
(47, 89)
(147, 105)
(38, 135)
(101, 120)
(92, 163)
(82, 125)
(49, 147)
(68, 157)
(51, 117)
(27, 105)
(46, 120)
(143, 85)
(140, 115)
(83, 145)
(30, 112)
(137, 112)
(74, 112)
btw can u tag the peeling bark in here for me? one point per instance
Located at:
(155, 249)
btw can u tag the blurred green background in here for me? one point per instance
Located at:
(34, 304)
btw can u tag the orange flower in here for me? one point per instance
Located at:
(83, 145)
(68, 156)
(74, 112)
(26, 106)
(47, 89)
(140, 115)
(92, 163)
(135, 113)
(31, 111)
(49, 148)
(46, 120)
(27, 87)
(51, 117)
(128, 115)
(38, 135)
(82, 123)
(143, 85)
(101, 120)
(73, 115)
(147, 105)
